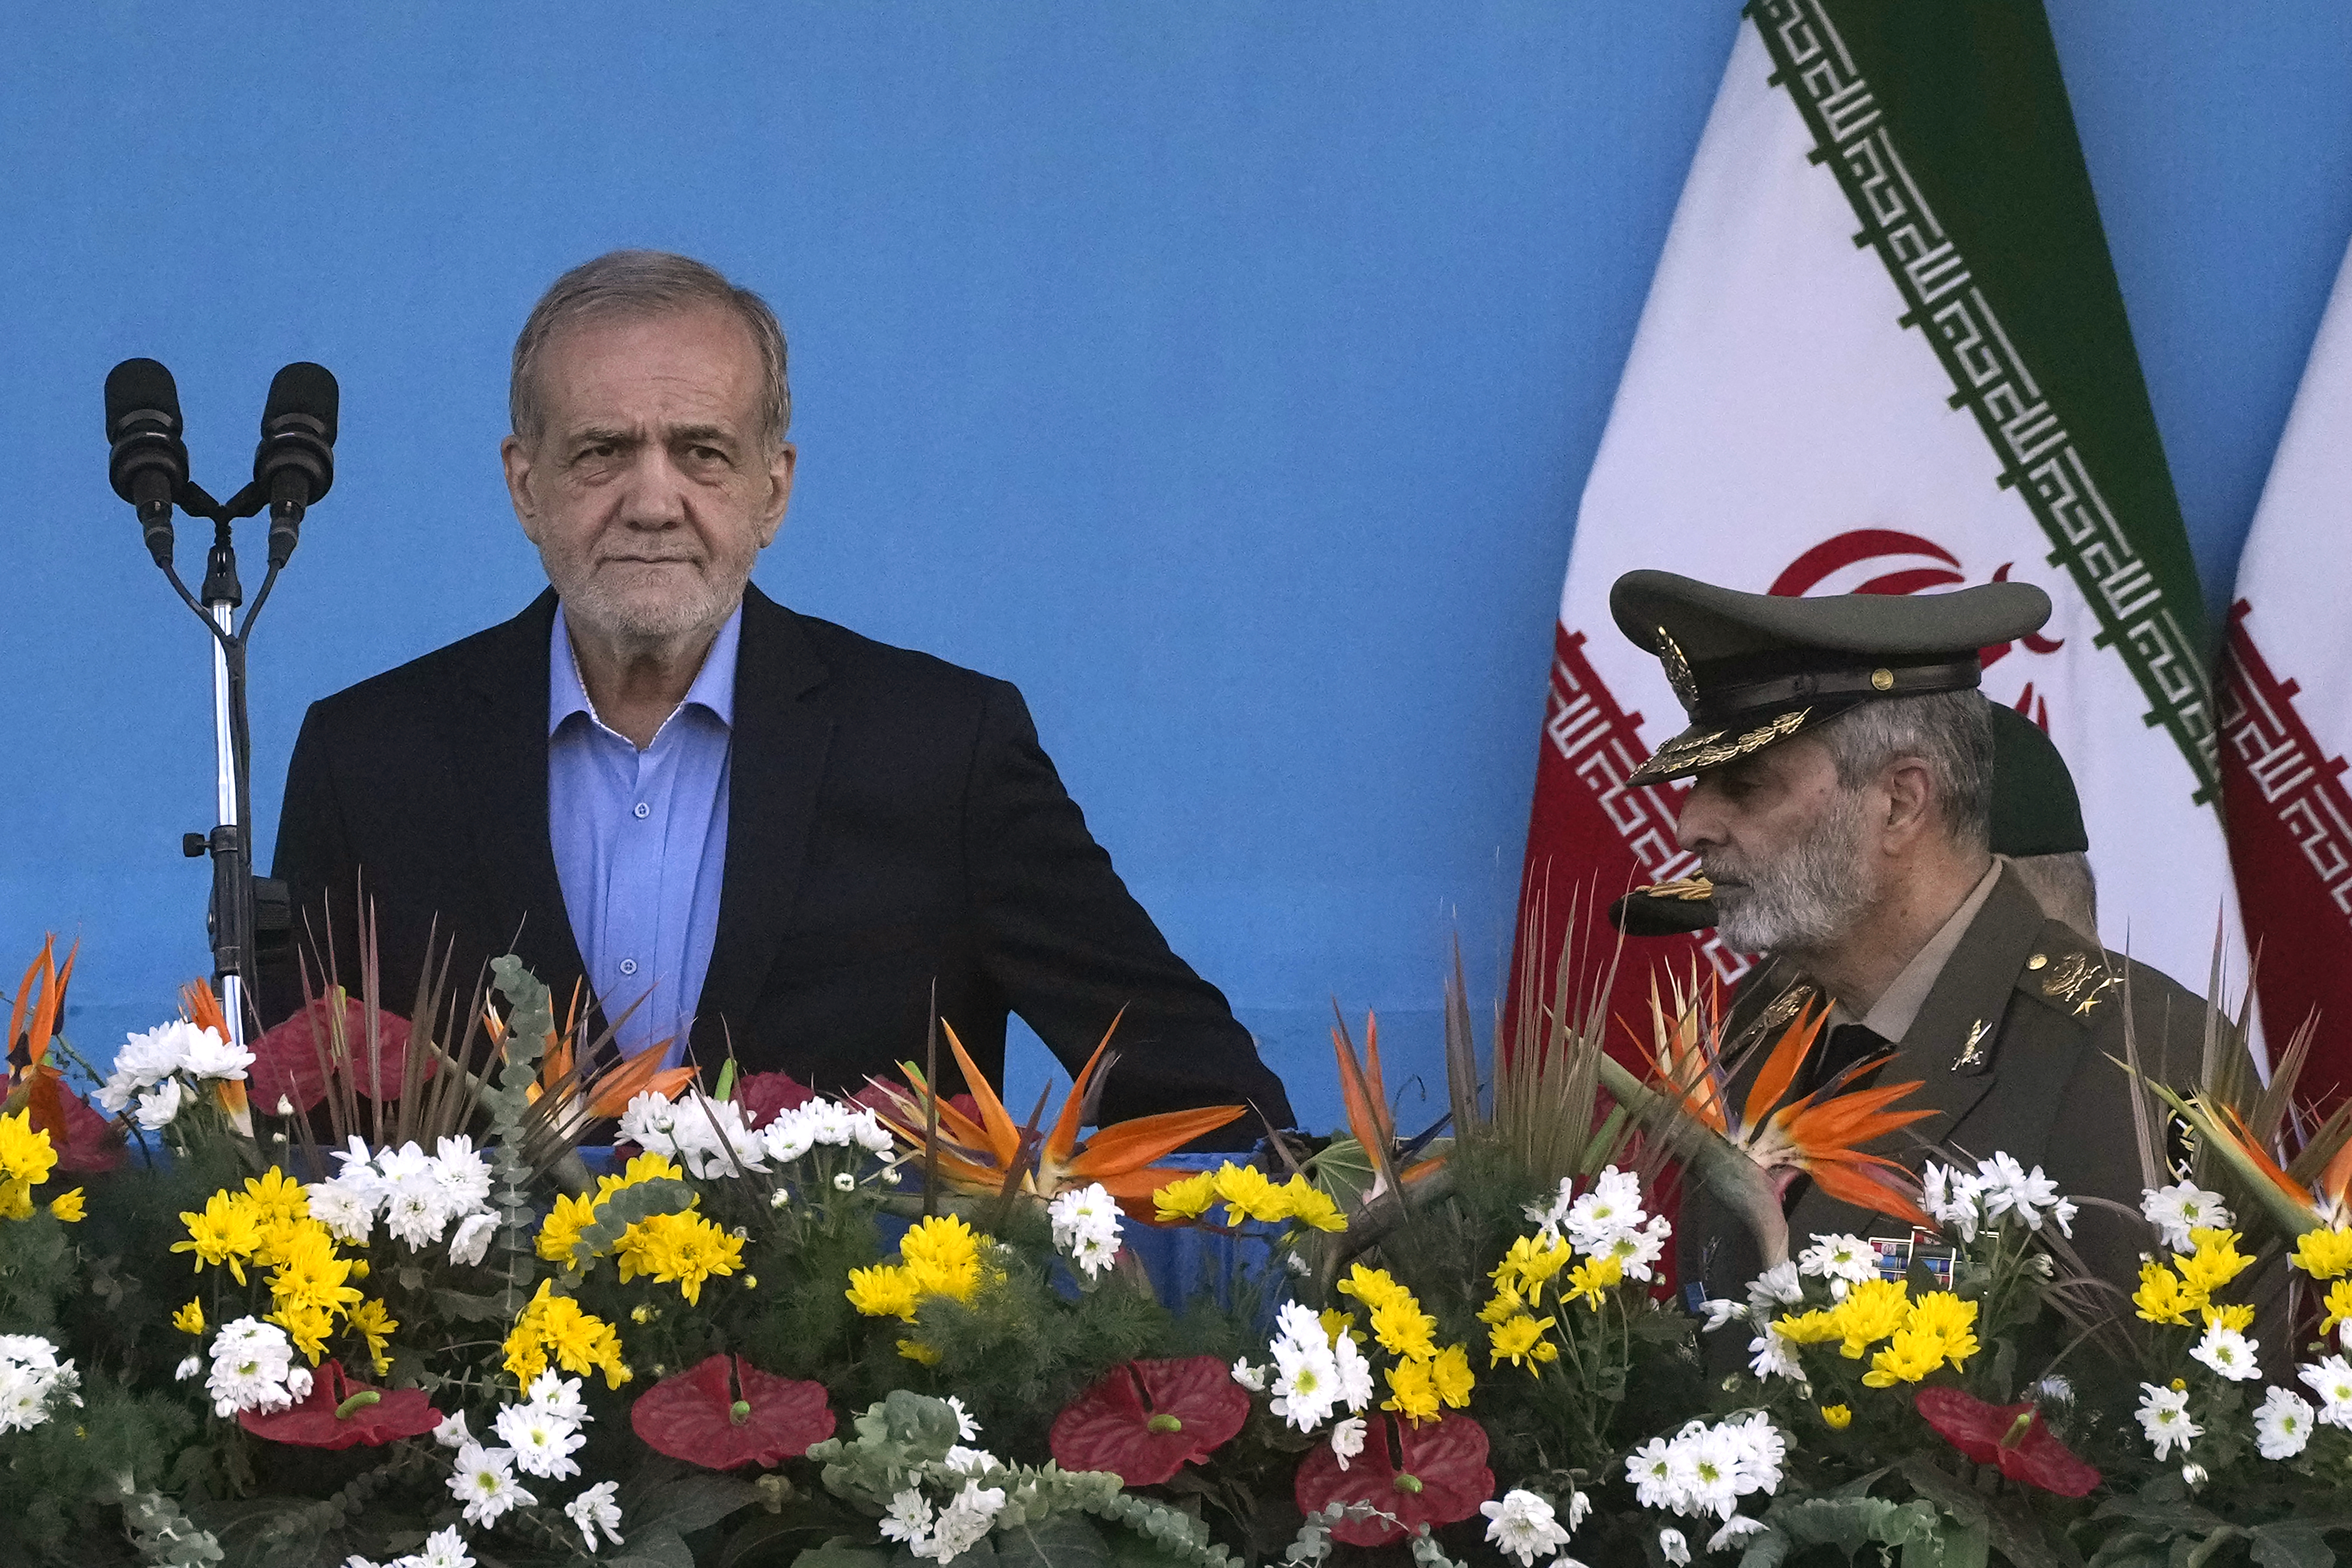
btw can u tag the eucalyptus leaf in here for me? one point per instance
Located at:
(2292, 1544)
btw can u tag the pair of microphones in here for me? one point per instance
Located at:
(293, 467)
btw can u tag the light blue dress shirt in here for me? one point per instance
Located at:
(640, 841)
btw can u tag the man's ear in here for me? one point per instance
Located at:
(517, 460)
(779, 490)
(1911, 804)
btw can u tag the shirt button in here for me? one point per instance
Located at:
(644, 810)
(628, 967)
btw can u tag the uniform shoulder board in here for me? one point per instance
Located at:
(2068, 974)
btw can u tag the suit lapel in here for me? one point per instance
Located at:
(502, 760)
(783, 728)
(1969, 998)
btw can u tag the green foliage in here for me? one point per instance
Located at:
(65, 1476)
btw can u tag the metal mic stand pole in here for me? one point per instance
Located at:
(230, 919)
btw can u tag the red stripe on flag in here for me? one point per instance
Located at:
(2291, 842)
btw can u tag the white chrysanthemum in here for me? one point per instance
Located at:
(2331, 1379)
(155, 1055)
(1306, 1383)
(1523, 1525)
(252, 1369)
(909, 1520)
(2184, 1206)
(558, 1395)
(2164, 1416)
(1763, 1453)
(1636, 1250)
(1612, 1208)
(485, 1484)
(967, 1429)
(595, 1509)
(463, 1173)
(472, 1242)
(1716, 1467)
(1674, 1548)
(1086, 1226)
(543, 1442)
(445, 1548)
(1735, 1529)
(1771, 1355)
(1719, 1310)
(2229, 1353)
(1778, 1286)
(2010, 1188)
(865, 1130)
(1250, 1377)
(1950, 1198)
(712, 1140)
(963, 1461)
(1651, 1469)
(32, 1380)
(646, 1122)
(207, 1055)
(788, 1137)
(452, 1433)
(1348, 1439)
(2283, 1424)
(345, 1207)
(360, 1172)
(965, 1521)
(160, 1105)
(1842, 1260)
(189, 1366)
(1355, 1373)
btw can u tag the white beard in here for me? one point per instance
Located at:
(1805, 900)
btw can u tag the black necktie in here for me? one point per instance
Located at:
(1847, 1044)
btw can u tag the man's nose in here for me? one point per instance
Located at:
(657, 492)
(1700, 826)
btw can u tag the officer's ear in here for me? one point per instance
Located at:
(1912, 808)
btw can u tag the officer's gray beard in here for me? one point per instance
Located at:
(1807, 900)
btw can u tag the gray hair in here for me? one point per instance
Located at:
(645, 283)
(2063, 885)
(1950, 731)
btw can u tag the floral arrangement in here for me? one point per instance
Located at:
(365, 1292)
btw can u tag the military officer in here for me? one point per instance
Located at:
(1842, 805)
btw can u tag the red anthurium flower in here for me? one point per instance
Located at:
(2013, 1437)
(1439, 1475)
(762, 1097)
(1185, 1411)
(340, 1414)
(700, 1417)
(285, 1058)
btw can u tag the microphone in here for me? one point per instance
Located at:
(150, 462)
(295, 464)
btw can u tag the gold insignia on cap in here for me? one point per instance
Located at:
(1689, 890)
(1972, 1051)
(1882, 679)
(1678, 672)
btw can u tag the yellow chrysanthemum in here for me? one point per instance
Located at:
(1946, 1318)
(2324, 1254)
(647, 1167)
(1187, 1199)
(374, 1321)
(68, 1207)
(1413, 1389)
(578, 1340)
(1248, 1195)
(559, 1237)
(16, 1199)
(1871, 1311)
(1503, 1305)
(1814, 1328)
(307, 1325)
(26, 1153)
(2237, 1315)
(1908, 1357)
(1517, 1337)
(2216, 1261)
(1453, 1376)
(275, 1197)
(1530, 1264)
(942, 1255)
(1373, 1286)
(223, 1235)
(684, 1250)
(884, 1291)
(190, 1318)
(2160, 1299)
(1310, 1205)
(2339, 1305)
(1588, 1280)
(309, 1272)
(916, 1350)
(1337, 1322)
(1837, 1417)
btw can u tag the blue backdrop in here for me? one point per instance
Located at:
(1224, 374)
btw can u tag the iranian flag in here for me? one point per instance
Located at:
(2284, 723)
(1885, 352)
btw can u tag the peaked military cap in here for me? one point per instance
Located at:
(2035, 811)
(1751, 669)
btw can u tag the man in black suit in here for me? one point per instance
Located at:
(771, 835)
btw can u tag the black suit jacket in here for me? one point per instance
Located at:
(893, 821)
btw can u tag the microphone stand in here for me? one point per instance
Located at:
(231, 917)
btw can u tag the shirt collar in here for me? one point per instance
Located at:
(1898, 1006)
(713, 689)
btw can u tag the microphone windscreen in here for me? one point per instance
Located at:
(302, 389)
(137, 384)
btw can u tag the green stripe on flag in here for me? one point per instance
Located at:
(1948, 127)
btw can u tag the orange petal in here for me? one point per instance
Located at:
(1365, 1117)
(1851, 1186)
(1128, 1145)
(1065, 1136)
(622, 1082)
(1372, 1065)
(2236, 1130)
(1003, 1137)
(1141, 1181)
(1780, 1068)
